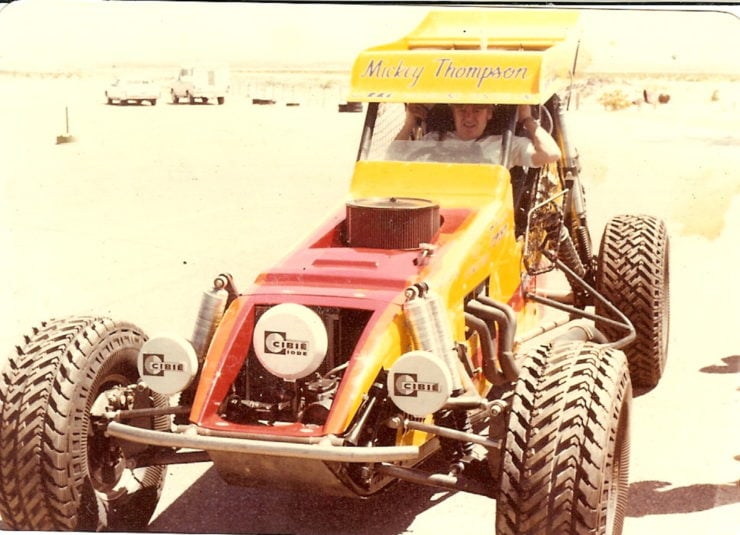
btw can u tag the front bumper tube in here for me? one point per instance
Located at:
(323, 452)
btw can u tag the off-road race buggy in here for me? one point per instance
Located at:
(451, 308)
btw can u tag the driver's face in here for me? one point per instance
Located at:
(471, 119)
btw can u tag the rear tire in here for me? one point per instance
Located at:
(633, 274)
(58, 470)
(566, 454)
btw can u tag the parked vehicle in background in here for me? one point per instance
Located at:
(132, 90)
(202, 84)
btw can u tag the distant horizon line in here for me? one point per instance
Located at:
(327, 68)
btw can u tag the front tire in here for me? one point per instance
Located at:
(58, 470)
(633, 274)
(566, 454)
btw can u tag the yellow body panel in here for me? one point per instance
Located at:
(450, 185)
(487, 56)
(482, 244)
(484, 240)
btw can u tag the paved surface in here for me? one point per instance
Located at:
(136, 216)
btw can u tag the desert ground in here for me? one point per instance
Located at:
(135, 216)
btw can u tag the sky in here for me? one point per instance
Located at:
(58, 34)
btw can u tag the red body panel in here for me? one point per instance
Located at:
(321, 272)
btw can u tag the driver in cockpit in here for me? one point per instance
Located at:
(538, 148)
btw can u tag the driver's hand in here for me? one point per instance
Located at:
(416, 112)
(415, 115)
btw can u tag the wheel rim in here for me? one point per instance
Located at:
(665, 305)
(106, 462)
(612, 506)
(618, 484)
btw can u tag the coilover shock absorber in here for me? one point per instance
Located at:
(575, 203)
(567, 252)
(426, 320)
(431, 332)
(212, 307)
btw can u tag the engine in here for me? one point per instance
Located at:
(295, 364)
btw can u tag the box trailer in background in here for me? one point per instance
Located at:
(202, 84)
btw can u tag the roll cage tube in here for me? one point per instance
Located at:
(367, 131)
(507, 138)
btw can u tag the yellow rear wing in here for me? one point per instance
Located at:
(505, 56)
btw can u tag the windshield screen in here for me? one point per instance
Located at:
(451, 151)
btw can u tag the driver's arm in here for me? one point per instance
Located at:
(415, 113)
(546, 150)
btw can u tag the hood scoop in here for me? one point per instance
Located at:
(391, 223)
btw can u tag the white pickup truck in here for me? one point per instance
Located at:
(132, 90)
(200, 84)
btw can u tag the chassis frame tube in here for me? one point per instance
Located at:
(623, 322)
(442, 481)
(167, 457)
(446, 432)
(262, 447)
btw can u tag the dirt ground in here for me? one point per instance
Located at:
(137, 214)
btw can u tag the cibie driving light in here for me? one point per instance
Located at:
(290, 341)
(167, 364)
(419, 383)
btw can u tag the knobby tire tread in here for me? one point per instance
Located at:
(562, 417)
(25, 392)
(43, 475)
(633, 275)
